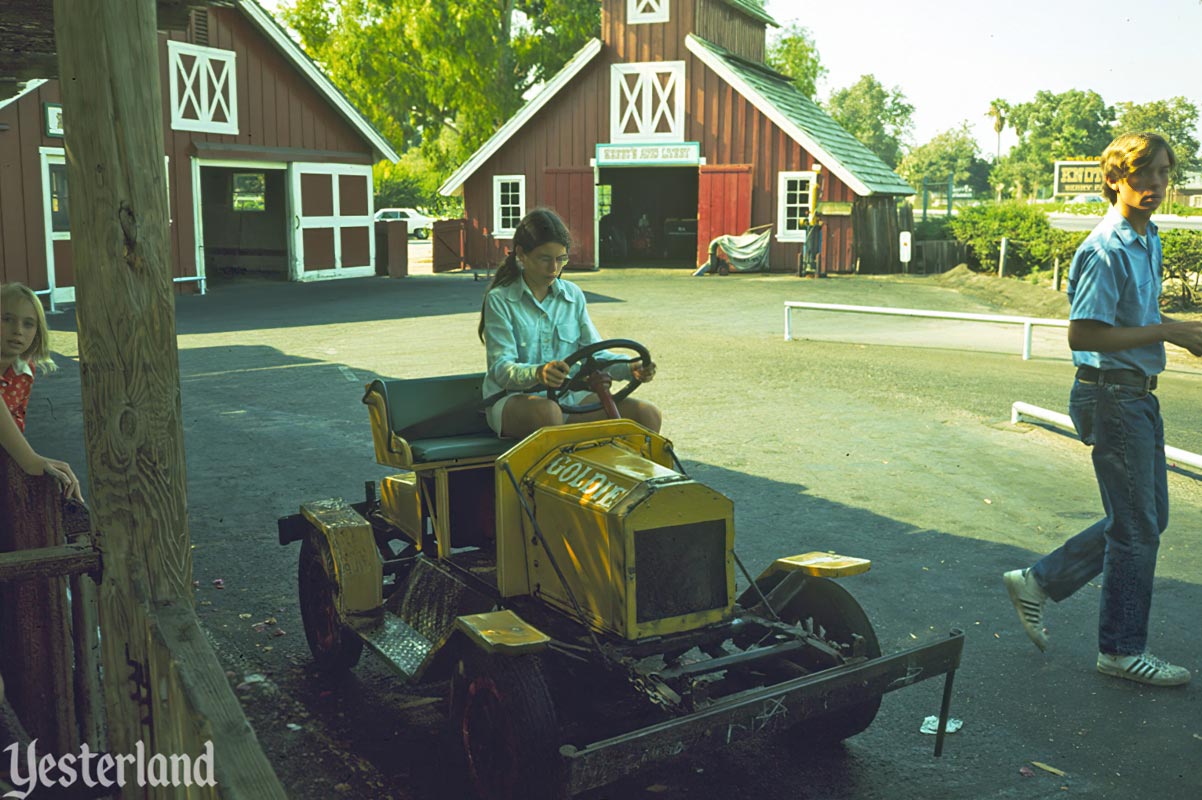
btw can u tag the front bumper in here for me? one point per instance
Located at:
(764, 710)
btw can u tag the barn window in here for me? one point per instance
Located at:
(508, 204)
(794, 204)
(647, 102)
(204, 95)
(639, 12)
(249, 191)
(60, 221)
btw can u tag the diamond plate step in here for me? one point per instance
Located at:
(402, 647)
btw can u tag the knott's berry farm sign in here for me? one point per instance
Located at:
(1078, 177)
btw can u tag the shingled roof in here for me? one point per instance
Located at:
(801, 118)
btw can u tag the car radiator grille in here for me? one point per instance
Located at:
(680, 569)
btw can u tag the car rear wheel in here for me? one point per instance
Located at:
(334, 647)
(503, 714)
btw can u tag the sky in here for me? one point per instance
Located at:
(950, 58)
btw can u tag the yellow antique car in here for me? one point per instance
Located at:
(577, 591)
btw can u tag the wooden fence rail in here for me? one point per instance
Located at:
(930, 257)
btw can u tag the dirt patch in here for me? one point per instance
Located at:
(1009, 294)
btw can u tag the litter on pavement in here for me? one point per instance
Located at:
(931, 725)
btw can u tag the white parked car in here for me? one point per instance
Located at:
(419, 224)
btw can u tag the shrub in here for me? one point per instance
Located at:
(935, 229)
(1182, 267)
(1030, 239)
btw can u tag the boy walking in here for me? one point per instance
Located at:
(1117, 335)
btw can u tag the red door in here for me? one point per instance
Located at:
(723, 204)
(569, 193)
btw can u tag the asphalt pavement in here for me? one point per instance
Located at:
(887, 439)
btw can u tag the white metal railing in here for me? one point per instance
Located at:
(1028, 323)
(1020, 411)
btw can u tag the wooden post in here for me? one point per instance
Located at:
(1001, 262)
(1056, 273)
(163, 686)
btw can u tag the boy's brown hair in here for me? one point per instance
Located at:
(1127, 155)
(39, 351)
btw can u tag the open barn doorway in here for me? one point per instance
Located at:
(244, 211)
(647, 216)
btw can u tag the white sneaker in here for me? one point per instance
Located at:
(1143, 668)
(1028, 601)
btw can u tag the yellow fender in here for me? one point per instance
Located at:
(502, 632)
(821, 565)
(358, 567)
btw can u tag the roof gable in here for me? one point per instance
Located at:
(454, 184)
(801, 118)
(275, 33)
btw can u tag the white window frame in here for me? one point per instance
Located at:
(642, 12)
(497, 181)
(646, 104)
(211, 82)
(782, 207)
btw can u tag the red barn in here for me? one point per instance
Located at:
(670, 130)
(267, 165)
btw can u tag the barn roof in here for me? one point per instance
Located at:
(454, 184)
(317, 77)
(753, 9)
(801, 118)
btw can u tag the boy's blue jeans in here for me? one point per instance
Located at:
(1124, 426)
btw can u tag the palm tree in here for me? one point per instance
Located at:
(999, 109)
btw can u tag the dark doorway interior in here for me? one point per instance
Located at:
(245, 223)
(651, 219)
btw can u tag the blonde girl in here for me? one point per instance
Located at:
(24, 344)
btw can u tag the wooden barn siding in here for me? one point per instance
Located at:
(740, 34)
(635, 43)
(710, 19)
(22, 232)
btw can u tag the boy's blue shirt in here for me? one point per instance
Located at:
(1115, 278)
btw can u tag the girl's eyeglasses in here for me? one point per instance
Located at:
(560, 261)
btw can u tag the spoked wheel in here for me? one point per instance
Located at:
(838, 618)
(335, 649)
(502, 712)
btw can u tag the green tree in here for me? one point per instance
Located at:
(418, 69)
(791, 51)
(1053, 127)
(999, 109)
(878, 117)
(954, 152)
(1176, 119)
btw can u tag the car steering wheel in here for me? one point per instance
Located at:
(589, 365)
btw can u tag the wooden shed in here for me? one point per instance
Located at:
(670, 130)
(268, 165)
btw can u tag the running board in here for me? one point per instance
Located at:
(399, 644)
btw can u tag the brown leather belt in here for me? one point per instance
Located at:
(1122, 377)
